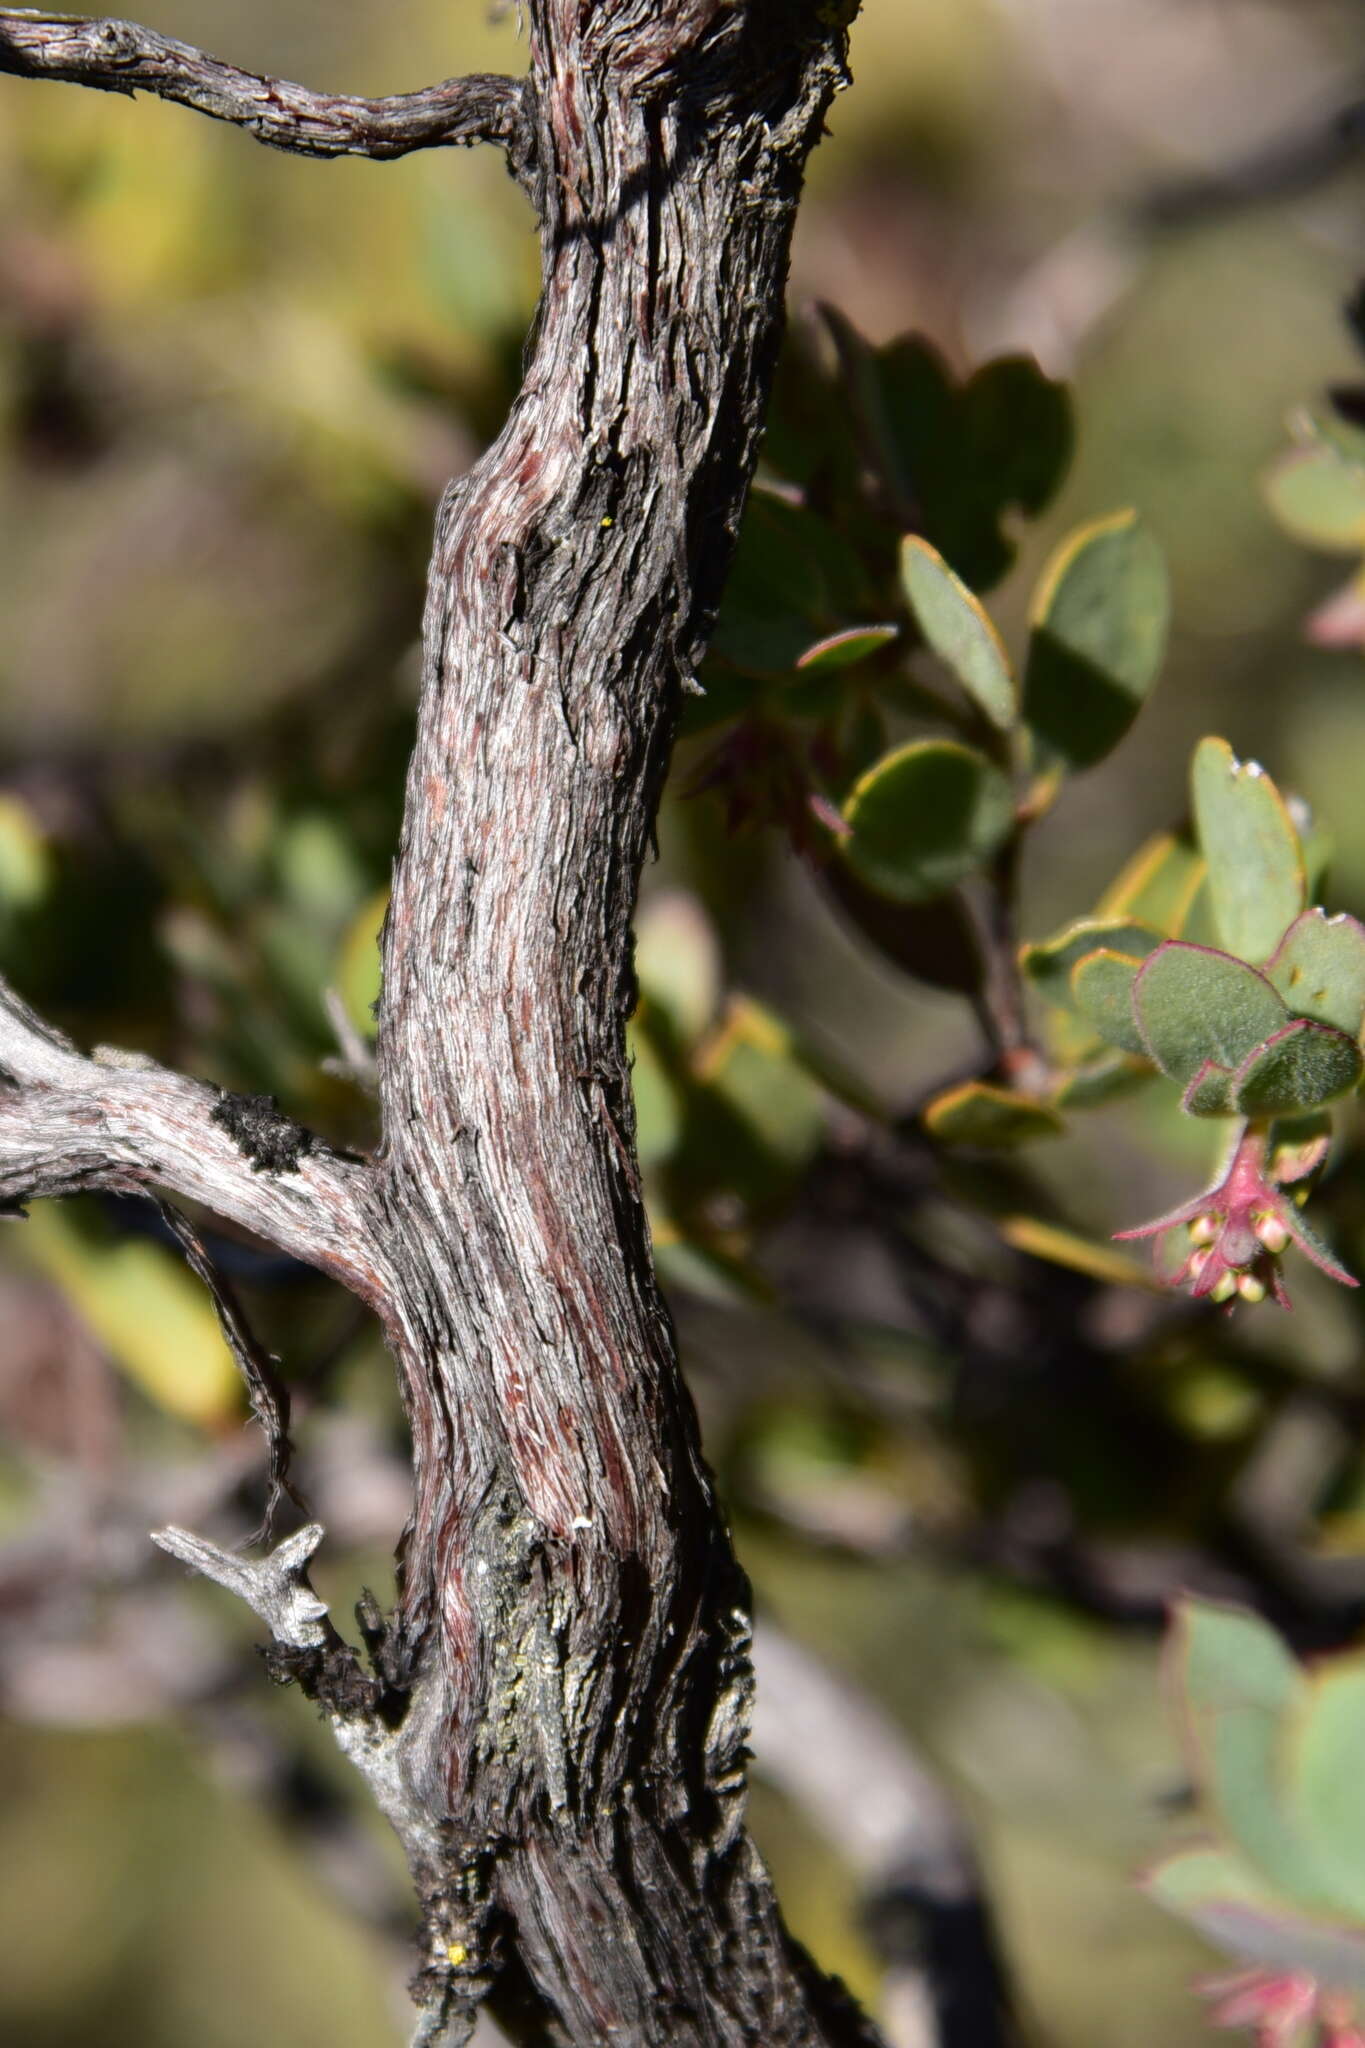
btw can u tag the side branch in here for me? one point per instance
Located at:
(118, 1121)
(118, 56)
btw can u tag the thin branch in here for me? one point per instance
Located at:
(117, 1120)
(268, 1394)
(118, 56)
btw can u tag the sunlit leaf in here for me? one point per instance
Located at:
(150, 1314)
(1319, 969)
(1234, 1907)
(850, 645)
(1327, 1773)
(1102, 985)
(994, 1119)
(1256, 871)
(357, 976)
(1158, 885)
(1049, 966)
(956, 625)
(1194, 1005)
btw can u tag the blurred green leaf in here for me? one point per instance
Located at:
(958, 628)
(1048, 966)
(1319, 969)
(1099, 618)
(1327, 1774)
(1194, 1006)
(658, 1104)
(995, 1119)
(932, 941)
(357, 977)
(1102, 984)
(956, 458)
(925, 818)
(150, 1314)
(1298, 1069)
(26, 871)
(1158, 885)
(677, 961)
(1237, 1685)
(847, 647)
(1256, 872)
(1234, 1907)
(1106, 1079)
(1319, 497)
(793, 578)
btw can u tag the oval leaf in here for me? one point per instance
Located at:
(1193, 1005)
(1319, 969)
(1049, 966)
(925, 818)
(1100, 618)
(1256, 872)
(842, 650)
(960, 631)
(1102, 985)
(1298, 1069)
(994, 1118)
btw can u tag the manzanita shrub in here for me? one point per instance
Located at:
(871, 707)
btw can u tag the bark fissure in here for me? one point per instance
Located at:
(570, 1652)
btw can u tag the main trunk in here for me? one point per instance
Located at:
(572, 1618)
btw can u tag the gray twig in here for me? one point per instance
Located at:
(119, 1121)
(119, 56)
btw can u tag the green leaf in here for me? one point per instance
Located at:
(357, 976)
(1319, 969)
(1297, 1069)
(677, 961)
(1210, 1093)
(1234, 1907)
(932, 941)
(1106, 1079)
(995, 1119)
(851, 644)
(1049, 965)
(956, 458)
(1102, 984)
(1256, 872)
(1158, 886)
(26, 869)
(793, 577)
(925, 818)
(1193, 1005)
(1319, 497)
(1099, 618)
(139, 1302)
(1327, 1774)
(658, 1103)
(1239, 1686)
(961, 633)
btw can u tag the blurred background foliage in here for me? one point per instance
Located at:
(231, 387)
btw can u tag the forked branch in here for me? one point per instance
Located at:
(118, 56)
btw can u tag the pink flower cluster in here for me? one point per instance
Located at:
(1239, 1227)
(1288, 2011)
